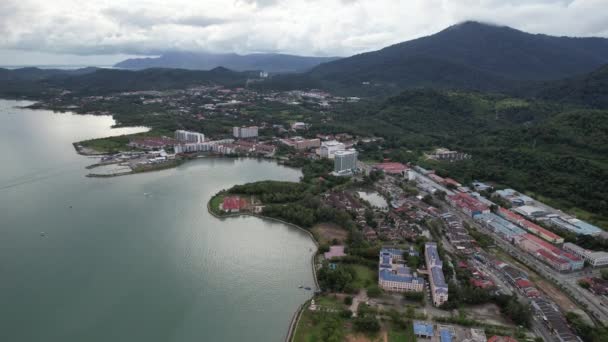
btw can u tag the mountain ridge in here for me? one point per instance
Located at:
(270, 62)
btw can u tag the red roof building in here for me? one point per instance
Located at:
(468, 204)
(523, 283)
(530, 226)
(391, 168)
(231, 204)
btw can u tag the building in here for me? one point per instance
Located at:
(444, 154)
(396, 277)
(467, 204)
(434, 265)
(245, 132)
(423, 329)
(530, 211)
(301, 144)
(515, 198)
(329, 148)
(391, 168)
(152, 143)
(299, 125)
(345, 162)
(189, 137)
(593, 258)
(530, 226)
(549, 254)
(231, 204)
(574, 225)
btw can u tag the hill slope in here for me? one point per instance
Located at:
(208, 61)
(470, 55)
(589, 90)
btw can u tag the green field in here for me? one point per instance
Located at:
(318, 327)
(365, 276)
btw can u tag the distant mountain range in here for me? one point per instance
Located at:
(273, 63)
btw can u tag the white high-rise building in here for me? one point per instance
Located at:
(328, 149)
(189, 137)
(245, 132)
(345, 162)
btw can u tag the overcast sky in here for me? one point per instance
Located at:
(98, 32)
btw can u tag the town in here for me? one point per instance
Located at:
(454, 262)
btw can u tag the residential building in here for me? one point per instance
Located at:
(152, 143)
(345, 162)
(189, 137)
(434, 265)
(245, 132)
(329, 148)
(593, 258)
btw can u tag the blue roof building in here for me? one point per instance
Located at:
(445, 335)
(423, 329)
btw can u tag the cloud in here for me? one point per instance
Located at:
(307, 27)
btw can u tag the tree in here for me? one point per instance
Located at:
(367, 324)
(374, 291)
(348, 300)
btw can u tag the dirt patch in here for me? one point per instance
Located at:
(490, 313)
(327, 232)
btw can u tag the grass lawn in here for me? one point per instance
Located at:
(398, 335)
(215, 203)
(313, 325)
(329, 302)
(119, 143)
(365, 276)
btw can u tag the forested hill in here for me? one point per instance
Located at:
(206, 61)
(556, 151)
(38, 82)
(470, 55)
(590, 90)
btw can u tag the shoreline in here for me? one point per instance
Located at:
(298, 313)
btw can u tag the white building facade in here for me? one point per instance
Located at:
(345, 162)
(189, 137)
(328, 149)
(245, 132)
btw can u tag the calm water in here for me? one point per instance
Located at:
(116, 265)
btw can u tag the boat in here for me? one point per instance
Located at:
(300, 286)
(42, 234)
(307, 288)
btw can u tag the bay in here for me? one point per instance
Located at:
(114, 264)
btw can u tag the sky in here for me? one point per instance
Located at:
(103, 32)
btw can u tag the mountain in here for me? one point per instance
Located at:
(470, 55)
(590, 90)
(275, 63)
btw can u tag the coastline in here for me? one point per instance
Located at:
(298, 313)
